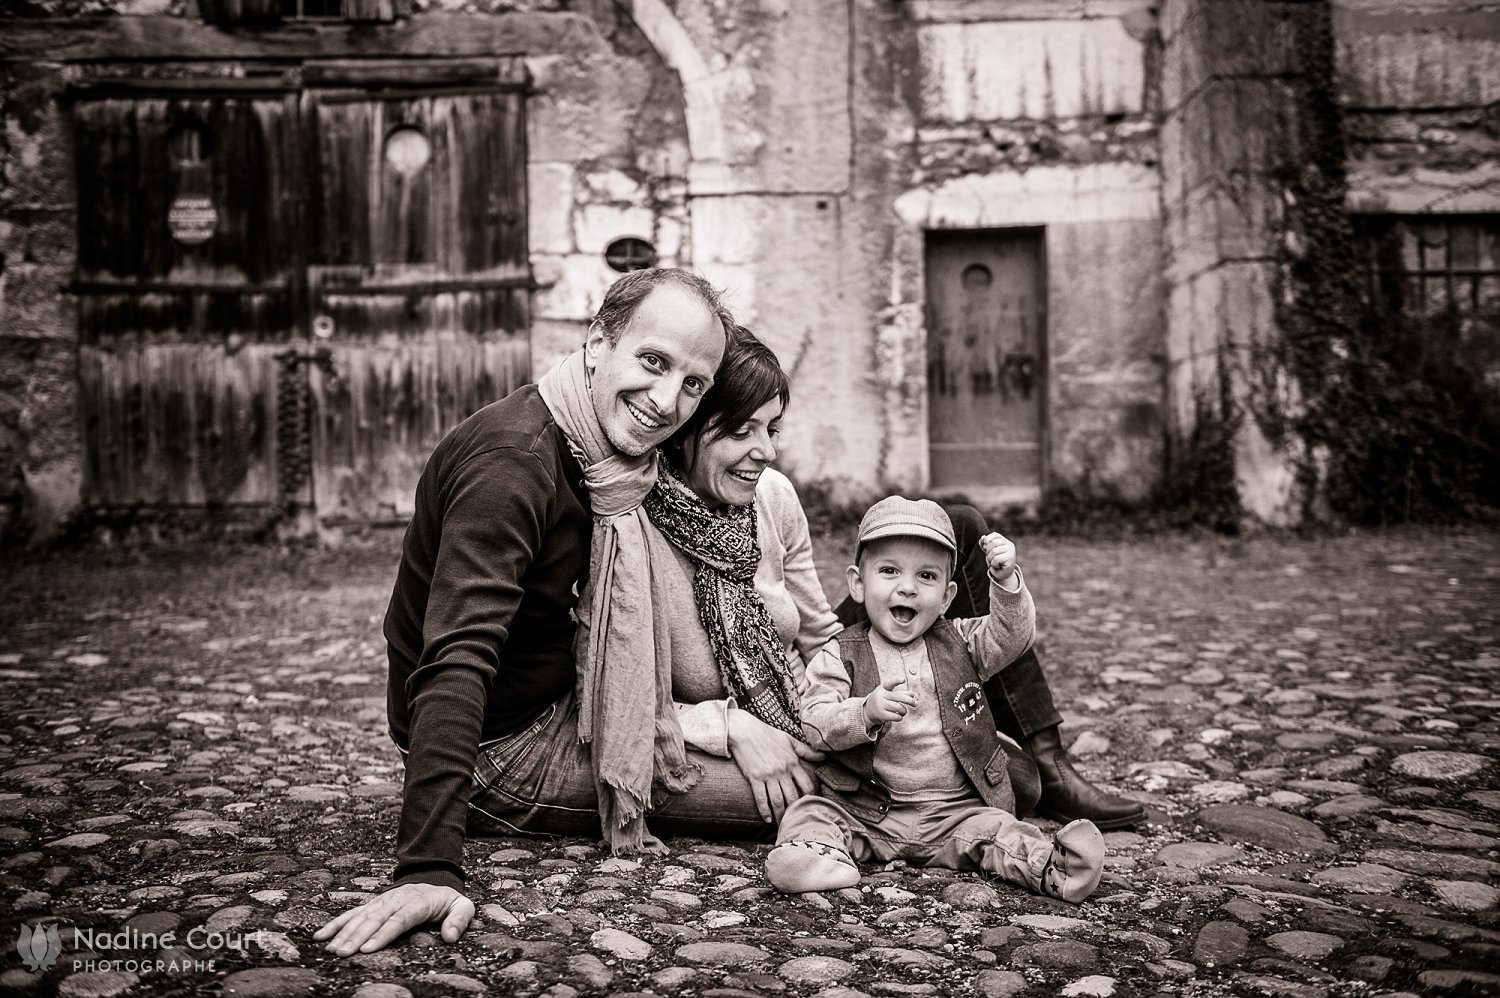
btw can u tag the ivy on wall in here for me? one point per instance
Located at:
(1380, 419)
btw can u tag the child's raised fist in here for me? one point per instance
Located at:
(999, 556)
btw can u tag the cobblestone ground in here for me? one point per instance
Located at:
(194, 750)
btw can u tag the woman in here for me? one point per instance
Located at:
(734, 545)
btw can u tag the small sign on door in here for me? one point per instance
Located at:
(192, 219)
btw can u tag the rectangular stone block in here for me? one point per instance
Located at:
(1237, 126)
(1194, 325)
(1106, 335)
(569, 287)
(1106, 296)
(1372, 188)
(44, 236)
(1180, 402)
(1249, 306)
(723, 230)
(1043, 195)
(552, 340)
(1051, 69)
(1424, 66)
(1174, 158)
(585, 110)
(970, 11)
(798, 112)
(1235, 219)
(1211, 335)
(550, 207)
(595, 226)
(1231, 39)
(1172, 15)
(672, 247)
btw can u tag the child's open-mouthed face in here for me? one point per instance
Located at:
(904, 584)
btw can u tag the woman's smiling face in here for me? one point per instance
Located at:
(724, 469)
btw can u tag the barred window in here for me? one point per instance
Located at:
(1423, 266)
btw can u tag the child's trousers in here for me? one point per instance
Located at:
(963, 834)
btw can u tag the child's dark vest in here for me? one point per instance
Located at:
(966, 717)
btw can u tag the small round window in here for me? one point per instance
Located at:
(629, 254)
(407, 150)
(977, 277)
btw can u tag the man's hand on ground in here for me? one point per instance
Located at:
(376, 924)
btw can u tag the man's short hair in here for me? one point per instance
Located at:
(624, 297)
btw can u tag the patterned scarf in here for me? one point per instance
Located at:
(724, 548)
(625, 709)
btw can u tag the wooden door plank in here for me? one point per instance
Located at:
(426, 319)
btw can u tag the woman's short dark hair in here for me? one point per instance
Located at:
(748, 378)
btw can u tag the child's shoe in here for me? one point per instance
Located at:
(803, 865)
(1077, 862)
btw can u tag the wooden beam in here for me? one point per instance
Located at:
(159, 38)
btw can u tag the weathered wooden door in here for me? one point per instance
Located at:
(419, 275)
(986, 378)
(186, 288)
(293, 279)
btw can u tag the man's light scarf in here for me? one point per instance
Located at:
(625, 710)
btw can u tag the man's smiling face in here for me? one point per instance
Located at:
(904, 585)
(646, 383)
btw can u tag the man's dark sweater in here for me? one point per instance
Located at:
(479, 631)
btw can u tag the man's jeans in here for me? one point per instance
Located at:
(1025, 706)
(539, 780)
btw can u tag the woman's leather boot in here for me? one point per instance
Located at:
(1067, 796)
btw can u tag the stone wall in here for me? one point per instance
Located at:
(1422, 100)
(798, 153)
(1060, 133)
(1228, 126)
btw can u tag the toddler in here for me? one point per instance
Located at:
(916, 770)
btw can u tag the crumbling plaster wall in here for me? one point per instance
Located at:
(1060, 133)
(1422, 103)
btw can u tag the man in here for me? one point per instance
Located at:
(479, 630)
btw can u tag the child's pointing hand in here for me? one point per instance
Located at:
(888, 703)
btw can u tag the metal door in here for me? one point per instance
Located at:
(986, 361)
(419, 275)
(186, 286)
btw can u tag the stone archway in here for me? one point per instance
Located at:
(707, 165)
